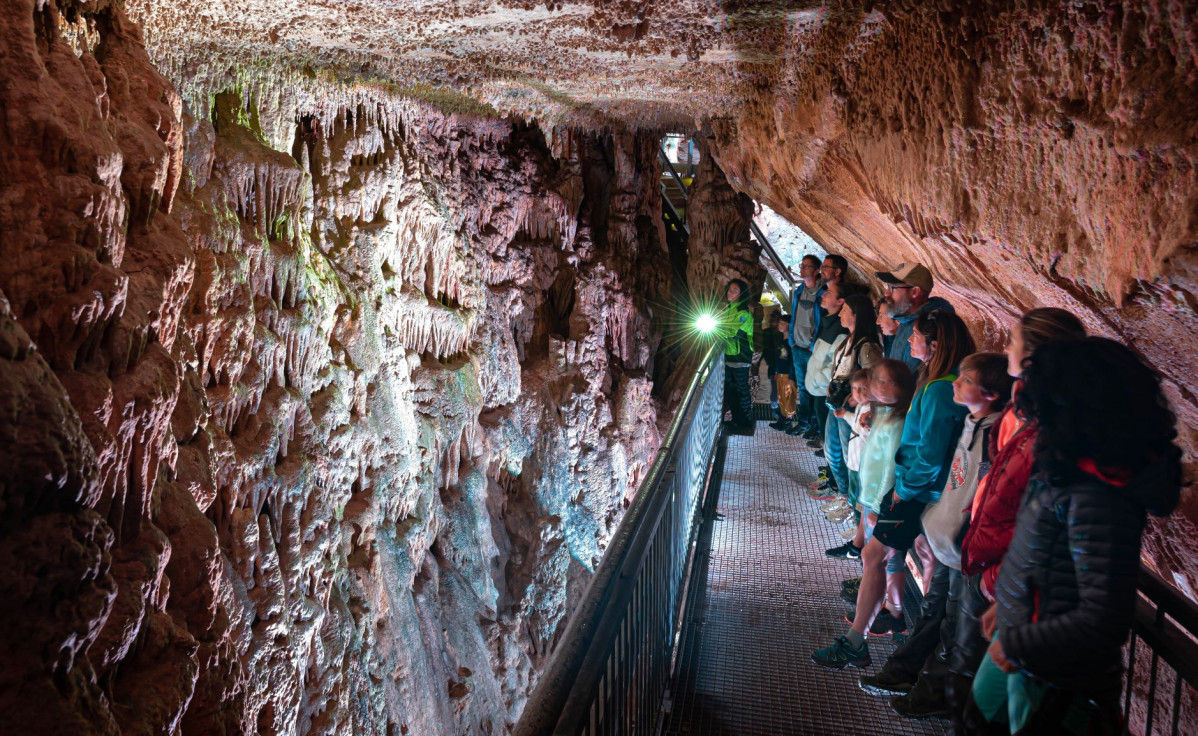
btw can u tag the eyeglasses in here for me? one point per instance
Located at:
(896, 287)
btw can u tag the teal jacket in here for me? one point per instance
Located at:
(929, 437)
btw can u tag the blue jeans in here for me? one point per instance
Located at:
(836, 438)
(806, 408)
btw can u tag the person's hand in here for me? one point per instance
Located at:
(867, 419)
(989, 621)
(1000, 657)
(839, 413)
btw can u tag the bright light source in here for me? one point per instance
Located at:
(705, 324)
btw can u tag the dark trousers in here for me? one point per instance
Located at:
(968, 649)
(806, 404)
(737, 396)
(909, 659)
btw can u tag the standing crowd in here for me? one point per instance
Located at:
(1021, 481)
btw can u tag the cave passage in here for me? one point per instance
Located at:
(339, 341)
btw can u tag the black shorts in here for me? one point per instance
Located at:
(899, 522)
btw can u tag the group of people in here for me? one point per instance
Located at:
(1021, 480)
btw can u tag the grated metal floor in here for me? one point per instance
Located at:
(763, 597)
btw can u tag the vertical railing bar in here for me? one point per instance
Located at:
(1176, 702)
(1131, 667)
(1151, 694)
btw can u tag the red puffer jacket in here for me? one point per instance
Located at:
(992, 527)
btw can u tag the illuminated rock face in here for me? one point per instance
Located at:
(323, 440)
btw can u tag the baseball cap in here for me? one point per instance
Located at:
(913, 274)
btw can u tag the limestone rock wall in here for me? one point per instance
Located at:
(1038, 154)
(315, 440)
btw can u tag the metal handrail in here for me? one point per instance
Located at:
(768, 249)
(665, 159)
(611, 668)
(1167, 622)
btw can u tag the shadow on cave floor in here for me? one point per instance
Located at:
(765, 596)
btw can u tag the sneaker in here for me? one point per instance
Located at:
(839, 516)
(835, 504)
(842, 654)
(820, 481)
(849, 532)
(849, 596)
(908, 706)
(845, 552)
(853, 584)
(823, 493)
(795, 430)
(819, 452)
(885, 685)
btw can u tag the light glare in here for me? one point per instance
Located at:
(705, 324)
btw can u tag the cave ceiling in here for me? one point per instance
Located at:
(647, 62)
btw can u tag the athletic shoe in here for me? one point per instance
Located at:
(909, 707)
(796, 430)
(849, 596)
(835, 504)
(781, 425)
(842, 654)
(849, 532)
(885, 684)
(845, 552)
(853, 584)
(823, 493)
(820, 481)
(839, 516)
(818, 452)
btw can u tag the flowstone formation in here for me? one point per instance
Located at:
(315, 438)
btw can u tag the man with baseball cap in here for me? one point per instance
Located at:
(908, 289)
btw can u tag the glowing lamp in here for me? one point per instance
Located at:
(705, 324)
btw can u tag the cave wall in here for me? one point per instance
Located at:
(311, 431)
(1031, 154)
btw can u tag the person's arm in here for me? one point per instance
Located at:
(939, 422)
(1104, 541)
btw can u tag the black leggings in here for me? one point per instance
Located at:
(737, 395)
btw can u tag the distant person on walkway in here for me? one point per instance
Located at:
(805, 315)
(771, 342)
(941, 341)
(784, 379)
(1106, 457)
(735, 327)
(908, 295)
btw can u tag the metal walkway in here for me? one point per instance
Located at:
(764, 596)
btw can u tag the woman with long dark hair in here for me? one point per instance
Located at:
(861, 351)
(1106, 457)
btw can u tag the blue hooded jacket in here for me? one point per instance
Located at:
(900, 346)
(930, 435)
(817, 311)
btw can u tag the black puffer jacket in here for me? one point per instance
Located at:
(1067, 587)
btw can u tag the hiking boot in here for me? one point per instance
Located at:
(853, 584)
(781, 425)
(842, 654)
(885, 684)
(796, 430)
(811, 434)
(909, 706)
(849, 596)
(845, 552)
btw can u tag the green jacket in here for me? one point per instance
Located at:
(735, 328)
